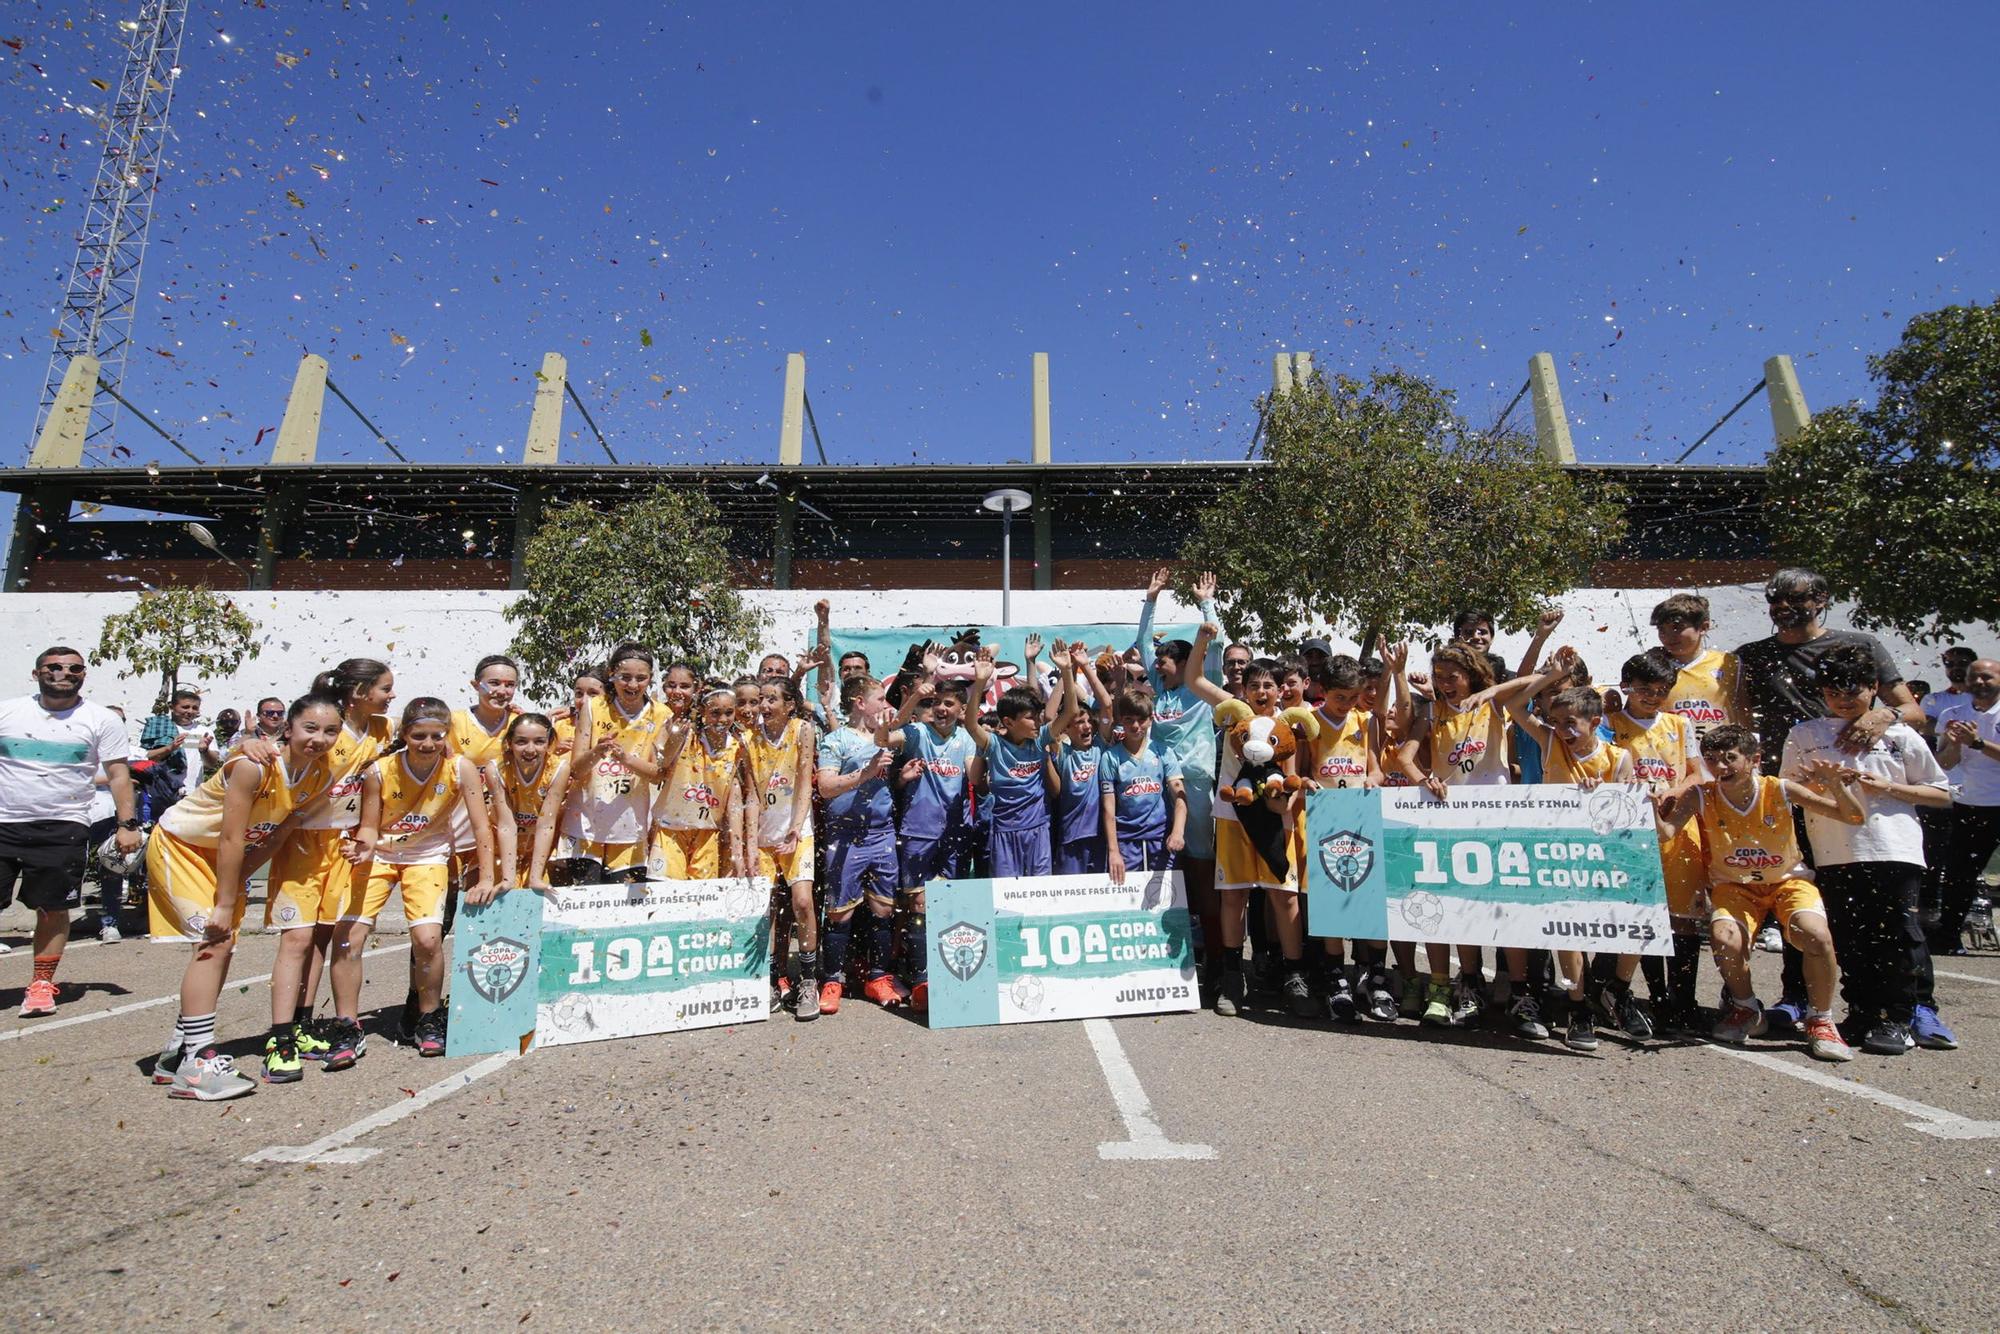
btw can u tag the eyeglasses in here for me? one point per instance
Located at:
(61, 669)
(1788, 599)
(270, 713)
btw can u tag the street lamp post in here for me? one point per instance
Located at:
(1007, 502)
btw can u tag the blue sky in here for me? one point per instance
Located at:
(919, 198)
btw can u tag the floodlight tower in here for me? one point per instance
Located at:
(97, 309)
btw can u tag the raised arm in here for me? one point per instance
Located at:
(1203, 688)
(1560, 666)
(1067, 713)
(1100, 696)
(982, 675)
(1545, 625)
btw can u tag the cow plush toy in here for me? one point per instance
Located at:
(1261, 745)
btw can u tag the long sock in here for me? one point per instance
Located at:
(808, 962)
(197, 1031)
(916, 935)
(1684, 972)
(834, 948)
(1654, 969)
(1604, 969)
(179, 1037)
(45, 967)
(881, 943)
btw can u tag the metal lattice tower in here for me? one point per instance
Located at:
(103, 293)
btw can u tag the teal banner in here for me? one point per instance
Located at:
(887, 646)
(495, 957)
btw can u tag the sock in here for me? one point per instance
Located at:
(178, 1036)
(45, 967)
(1654, 969)
(834, 948)
(197, 1031)
(1604, 969)
(881, 943)
(915, 934)
(808, 962)
(1683, 972)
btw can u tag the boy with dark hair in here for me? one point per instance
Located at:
(860, 814)
(1144, 802)
(1018, 809)
(1070, 773)
(1704, 689)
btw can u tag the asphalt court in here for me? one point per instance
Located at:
(862, 1168)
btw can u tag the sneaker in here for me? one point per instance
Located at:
(168, 1061)
(1413, 997)
(1740, 1021)
(281, 1060)
(1854, 1029)
(1298, 994)
(1381, 997)
(1466, 1001)
(431, 1033)
(346, 1043)
(1824, 1042)
(310, 1038)
(808, 1002)
(1526, 1013)
(885, 991)
(1340, 1006)
(1770, 939)
(1885, 1037)
(210, 1077)
(1581, 1035)
(830, 992)
(1437, 1005)
(108, 933)
(1631, 1016)
(40, 1000)
(920, 997)
(1930, 1031)
(1230, 995)
(5, 948)
(1787, 1016)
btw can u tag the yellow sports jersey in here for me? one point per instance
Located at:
(1340, 751)
(196, 819)
(525, 795)
(416, 812)
(1755, 846)
(1665, 748)
(348, 761)
(611, 804)
(774, 772)
(693, 793)
(1468, 748)
(1606, 764)
(1704, 690)
(468, 736)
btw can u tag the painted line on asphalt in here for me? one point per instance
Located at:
(1968, 977)
(338, 1146)
(1144, 1138)
(51, 1025)
(1932, 1121)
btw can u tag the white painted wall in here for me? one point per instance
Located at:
(433, 638)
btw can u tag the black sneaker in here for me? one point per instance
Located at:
(1887, 1038)
(1582, 1033)
(1381, 997)
(406, 1027)
(1526, 1012)
(1632, 1017)
(431, 1033)
(1230, 994)
(1298, 994)
(1340, 1005)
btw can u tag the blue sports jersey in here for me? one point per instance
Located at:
(934, 805)
(1077, 800)
(1138, 784)
(1016, 798)
(847, 751)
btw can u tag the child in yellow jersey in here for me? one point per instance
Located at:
(700, 830)
(404, 843)
(1341, 755)
(196, 863)
(311, 873)
(608, 813)
(783, 755)
(1707, 687)
(1666, 749)
(1755, 869)
(588, 685)
(525, 786)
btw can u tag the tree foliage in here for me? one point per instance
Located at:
(1379, 508)
(171, 630)
(655, 570)
(1896, 504)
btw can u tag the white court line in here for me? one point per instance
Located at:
(1145, 1138)
(51, 1025)
(334, 1148)
(1968, 977)
(1932, 1121)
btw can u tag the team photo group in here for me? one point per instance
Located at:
(1806, 799)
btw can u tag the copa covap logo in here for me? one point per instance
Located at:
(497, 969)
(1347, 858)
(962, 949)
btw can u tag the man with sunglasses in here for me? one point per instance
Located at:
(268, 726)
(51, 745)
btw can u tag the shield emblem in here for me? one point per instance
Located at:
(962, 949)
(497, 969)
(1347, 859)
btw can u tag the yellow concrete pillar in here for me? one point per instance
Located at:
(1551, 422)
(1302, 369)
(61, 445)
(792, 420)
(1788, 401)
(298, 433)
(1041, 421)
(545, 423)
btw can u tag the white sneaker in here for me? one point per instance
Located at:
(1770, 939)
(5, 948)
(210, 1077)
(109, 933)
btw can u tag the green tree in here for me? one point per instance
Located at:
(655, 570)
(1896, 503)
(174, 629)
(1380, 509)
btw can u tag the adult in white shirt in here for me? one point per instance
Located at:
(51, 744)
(1969, 747)
(1956, 661)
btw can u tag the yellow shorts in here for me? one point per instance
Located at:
(1686, 868)
(1239, 866)
(423, 892)
(180, 888)
(1297, 844)
(612, 856)
(1748, 905)
(310, 880)
(686, 854)
(791, 867)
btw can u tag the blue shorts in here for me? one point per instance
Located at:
(926, 859)
(860, 862)
(1084, 856)
(1016, 852)
(1145, 854)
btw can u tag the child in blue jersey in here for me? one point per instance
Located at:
(1017, 806)
(938, 758)
(860, 826)
(1070, 771)
(1145, 804)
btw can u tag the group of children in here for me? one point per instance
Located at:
(1102, 761)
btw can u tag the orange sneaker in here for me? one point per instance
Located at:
(920, 998)
(830, 993)
(885, 991)
(40, 1000)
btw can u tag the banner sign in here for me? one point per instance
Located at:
(608, 961)
(1548, 866)
(1023, 950)
(885, 646)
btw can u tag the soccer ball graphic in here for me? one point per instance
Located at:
(1027, 994)
(1424, 911)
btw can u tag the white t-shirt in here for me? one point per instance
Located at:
(1935, 703)
(1889, 832)
(1976, 780)
(47, 760)
(102, 804)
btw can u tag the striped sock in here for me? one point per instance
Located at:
(45, 967)
(197, 1031)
